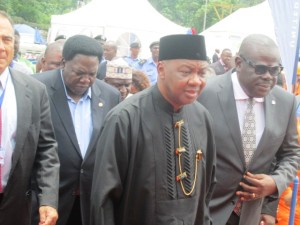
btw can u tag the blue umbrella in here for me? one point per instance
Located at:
(25, 29)
(38, 39)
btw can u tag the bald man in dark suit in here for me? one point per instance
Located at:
(250, 178)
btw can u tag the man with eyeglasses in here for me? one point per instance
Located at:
(256, 136)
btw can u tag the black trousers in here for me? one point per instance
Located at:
(233, 219)
(1, 196)
(75, 216)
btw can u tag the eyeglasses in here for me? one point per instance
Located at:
(262, 69)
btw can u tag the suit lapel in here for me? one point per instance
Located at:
(228, 105)
(59, 100)
(97, 107)
(270, 110)
(24, 112)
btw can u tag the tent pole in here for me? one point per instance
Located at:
(205, 12)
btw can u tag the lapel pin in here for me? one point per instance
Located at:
(273, 102)
(100, 104)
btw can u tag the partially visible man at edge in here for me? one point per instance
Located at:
(155, 159)
(28, 148)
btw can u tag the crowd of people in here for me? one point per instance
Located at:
(91, 138)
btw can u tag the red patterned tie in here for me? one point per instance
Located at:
(238, 207)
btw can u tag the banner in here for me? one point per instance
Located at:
(286, 16)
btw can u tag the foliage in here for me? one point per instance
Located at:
(191, 13)
(188, 13)
(36, 12)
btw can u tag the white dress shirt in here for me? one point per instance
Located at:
(82, 118)
(9, 124)
(241, 104)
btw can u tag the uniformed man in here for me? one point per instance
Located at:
(150, 65)
(133, 59)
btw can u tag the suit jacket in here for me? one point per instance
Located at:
(279, 140)
(215, 57)
(35, 153)
(76, 172)
(218, 67)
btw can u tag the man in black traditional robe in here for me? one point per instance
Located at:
(155, 161)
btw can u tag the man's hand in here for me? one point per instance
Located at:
(267, 220)
(259, 185)
(48, 215)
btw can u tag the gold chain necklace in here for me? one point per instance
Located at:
(180, 151)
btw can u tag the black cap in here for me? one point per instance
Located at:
(154, 43)
(135, 45)
(182, 46)
(59, 37)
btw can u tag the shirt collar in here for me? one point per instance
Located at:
(165, 105)
(4, 77)
(239, 93)
(222, 63)
(88, 94)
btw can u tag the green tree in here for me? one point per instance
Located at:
(36, 12)
(6, 6)
(191, 13)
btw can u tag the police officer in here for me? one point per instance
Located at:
(149, 67)
(133, 59)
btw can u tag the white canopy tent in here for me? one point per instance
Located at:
(118, 20)
(229, 32)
